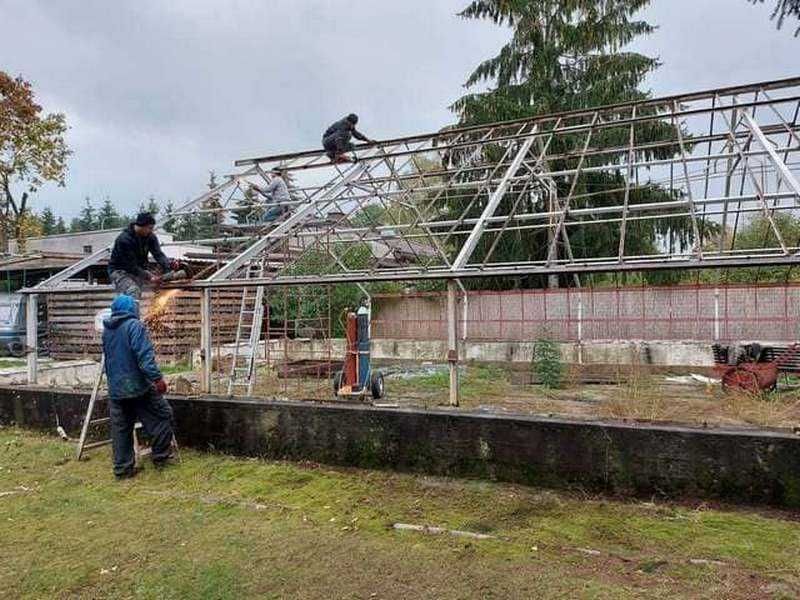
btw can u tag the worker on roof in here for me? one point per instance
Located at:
(136, 388)
(127, 267)
(336, 139)
(277, 194)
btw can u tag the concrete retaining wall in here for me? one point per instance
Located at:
(739, 466)
(670, 354)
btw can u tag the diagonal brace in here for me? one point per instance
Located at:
(494, 201)
(780, 165)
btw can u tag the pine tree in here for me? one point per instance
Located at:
(61, 227)
(783, 9)
(208, 223)
(48, 221)
(87, 221)
(151, 206)
(108, 217)
(564, 55)
(169, 224)
(250, 208)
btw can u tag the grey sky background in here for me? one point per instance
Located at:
(157, 93)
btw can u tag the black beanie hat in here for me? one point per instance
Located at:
(145, 218)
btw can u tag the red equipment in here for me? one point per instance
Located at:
(350, 375)
(754, 368)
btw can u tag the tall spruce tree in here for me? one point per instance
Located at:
(565, 55)
(87, 221)
(108, 217)
(48, 220)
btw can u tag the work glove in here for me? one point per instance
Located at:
(174, 264)
(161, 386)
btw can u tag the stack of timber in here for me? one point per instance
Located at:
(175, 331)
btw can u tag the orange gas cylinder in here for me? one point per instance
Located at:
(350, 376)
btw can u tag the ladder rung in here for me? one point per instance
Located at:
(99, 421)
(96, 444)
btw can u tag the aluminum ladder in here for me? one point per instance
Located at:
(248, 333)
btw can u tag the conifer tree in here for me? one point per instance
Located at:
(48, 220)
(565, 55)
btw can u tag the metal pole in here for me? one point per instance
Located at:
(580, 328)
(32, 337)
(452, 342)
(206, 357)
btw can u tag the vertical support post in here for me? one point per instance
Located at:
(552, 280)
(206, 356)
(580, 328)
(32, 337)
(452, 341)
(716, 314)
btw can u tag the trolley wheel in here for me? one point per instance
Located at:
(337, 382)
(376, 385)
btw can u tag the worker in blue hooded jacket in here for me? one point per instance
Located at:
(135, 387)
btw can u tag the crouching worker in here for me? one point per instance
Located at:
(127, 267)
(277, 195)
(135, 387)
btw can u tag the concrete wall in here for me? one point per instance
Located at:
(673, 354)
(739, 466)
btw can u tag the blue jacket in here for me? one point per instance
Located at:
(130, 357)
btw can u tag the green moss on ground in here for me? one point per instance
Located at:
(220, 527)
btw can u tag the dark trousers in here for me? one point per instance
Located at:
(155, 415)
(336, 144)
(125, 283)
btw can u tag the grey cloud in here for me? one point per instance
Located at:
(157, 93)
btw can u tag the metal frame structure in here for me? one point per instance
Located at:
(439, 205)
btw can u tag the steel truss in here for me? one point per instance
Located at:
(448, 204)
(439, 205)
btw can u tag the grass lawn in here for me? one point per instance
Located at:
(221, 527)
(6, 363)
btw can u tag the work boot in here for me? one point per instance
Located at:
(129, 474)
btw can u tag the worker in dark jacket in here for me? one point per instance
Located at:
(127, 267)
(135, 387)
(336, 139)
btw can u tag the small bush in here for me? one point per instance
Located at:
(547, 364)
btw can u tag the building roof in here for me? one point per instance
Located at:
(39, 260)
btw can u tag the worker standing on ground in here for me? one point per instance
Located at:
(336, 139)
(127, 267)
(135, 388)
(277, 195)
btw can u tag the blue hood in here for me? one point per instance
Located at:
(118, 318)
(122, 308)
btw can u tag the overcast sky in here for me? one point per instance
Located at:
(157, 93)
